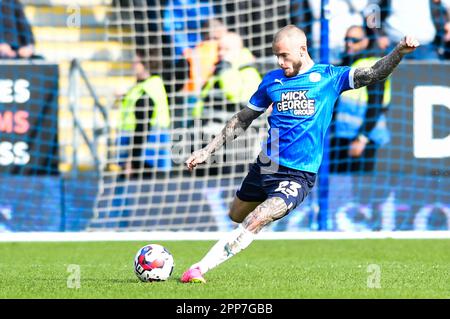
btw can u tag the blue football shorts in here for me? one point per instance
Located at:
(266, 180)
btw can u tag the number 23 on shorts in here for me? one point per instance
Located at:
(288, 188)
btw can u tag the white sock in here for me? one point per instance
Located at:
(239, 239)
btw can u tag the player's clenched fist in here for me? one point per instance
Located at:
(196, 158)
(408, 44)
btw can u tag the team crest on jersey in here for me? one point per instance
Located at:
(298, 102)
(315, 77)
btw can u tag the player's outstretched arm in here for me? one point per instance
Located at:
(384, 67)
(234, 127)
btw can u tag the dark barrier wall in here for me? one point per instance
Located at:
(28, 118)
(30, 186)
(46, 203)
(419, 120)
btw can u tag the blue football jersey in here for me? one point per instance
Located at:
(302, 108)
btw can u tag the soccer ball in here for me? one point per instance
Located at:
(153, 263)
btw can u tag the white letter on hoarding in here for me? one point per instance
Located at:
(425, 146)
(21, 91)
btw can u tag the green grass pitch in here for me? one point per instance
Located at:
(267, 269)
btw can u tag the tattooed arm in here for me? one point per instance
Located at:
(234, 127)
(384, 67)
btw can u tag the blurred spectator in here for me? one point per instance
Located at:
(204, 56)
(400, 17)
(144, 123)
(442, 21)
(144, 16)
(302, 17)
(343, 14)
(234, 80)
(257, 20)
(182, 27)
(153, 45)
(359, 122)
(16, 36)
(182, 21)
(447, 42)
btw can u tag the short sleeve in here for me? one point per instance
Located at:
(260, 100)
(342, 78)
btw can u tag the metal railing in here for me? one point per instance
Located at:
(76, 72)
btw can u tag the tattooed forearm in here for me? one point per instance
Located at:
(379, 71)
(272, 209)
(234, 127)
